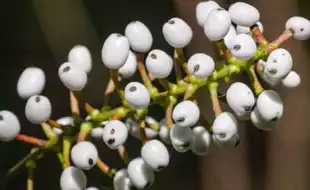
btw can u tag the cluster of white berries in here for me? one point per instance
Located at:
(121, 53)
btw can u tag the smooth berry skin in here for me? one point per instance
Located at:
(177, 33)
(130, 66)
(139, 36)
(9, 125)
(217, 24)
(115, 134)
(299, 26)
(266, 77)
(230, 35)
(121, 180)
(203, 9)
(244, 14)
(140, 174)
(115, 50)
(92, 188)
(225, 130)
(240, 99)
(84, 155)
(292, 80)
(155, 154)
(31, 82)
(81, 56)
(137, 95)
(243, 47)
(201, 65)
(97, 133)
(134, 130)
(64, 121)
(159, 64)
(72, 76)
(72, 178)
(186, 114)
(247, 30)
(269, 105)
(38, 109)
(202, 141)
(164, 132)
(260, 123)
(181, 138)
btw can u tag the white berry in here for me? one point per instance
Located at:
(269, 105)
(121, 180)
(164, 132)
(115, 134)
(137, 95)
(159, 64)
(202, 141)
(134, 130)
(243, 14)
(92, 188)
(181, 138)
(186, 114)
(97, 133)
(247, 30)
(242, 46)
(201, 65)
(115, 51)
(268, 78)
(177, 33)
(72, 76)
(292, 80)
(203, 9)
(64, 121)
(81, 56)
(139, 36)
(31, 82)
(73, 178)
(9, 125)
(84, 155)
(300, 27)
(260, 123)
(230, 35)
(38, 109)
(130, 66)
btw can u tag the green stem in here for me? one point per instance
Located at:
(67, 143)
(258, 88)
(50, 134)
(114, 77)
(226, 71)
(99, 116)
(190, 91)
(213, 88)
(180, 58)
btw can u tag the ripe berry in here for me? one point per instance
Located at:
(72, 76)
(140, 174)
(164, 132)
(139, 36)
(38, 109)
(73, 178)
(186, 114)
(155, 155)
(81, 56)
(300, 27)
(242, 46)
(230, 35)
(269, 105)
(130, 66)
(217, 24)
(260, 123)
(92, 188)
(134, 130)
(247, 30)
(97, 133)
(243, 14)
(115, 134)
(159, 64)
(202, 141)
(121, 180)
(64, 121)
(9, 126)
(115, 51)
(31, 82)
(137, 95)
(292, 80)
(177, 33)
(84, 155)
(203, 9)
(181, 138)
(201, 65)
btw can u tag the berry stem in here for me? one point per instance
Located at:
(223, 50)
(258, 35)
(108, 91)
(50, 134)
(154, 126)
(284, 37)
(142, 125)
(74, 104)
(30, 140)
(120, 112)
(258, 88)
(213, 88)
(53, 123)
(30, 179)
(123, 154)
(169, 109)
(115, 78)
(165, 83)
(105, 168)
(180, 58)
(146, 80)
(226, 71)
(67, 143)
(85, 130)
(190, 91)
(177, 68)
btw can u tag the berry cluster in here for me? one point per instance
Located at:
(237, 32)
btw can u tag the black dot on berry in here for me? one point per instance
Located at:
(111, 141)
(196, 68)
(275, 61)
(66, 69)
(220, 9)
(153, 56)
(186, 144)
(118, 35)
(302, 29)
(237, 47)
(132, 89)
(147, 185)
(247, 108)
(273, 71)
(181, 119)
(160, 168)
(222, 135)
(90, 162)
(1, 117)
(237, 143)
(37, 99)
(274, 119)
(171, 22)
(112, 131)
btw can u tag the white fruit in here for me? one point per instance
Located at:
(92, 188)
(177, 33)
(201, 65)
(134, 130)
(243, 14)
(139, 36)
(203, 9)
(164, 132)
(9, 125)
(269, 105)
(130, 66)
(243, 47)
(247, 30)
(137, 95)
(140, 174)
(38, 109)
(300, 27)
(202, 141)
(181, 138)
(84, 155)
(121, 180)
(73, 178)
(159, 64)
(292, 80)
(97, 133)
(225, 130)
(72, 76)
(31, 82)
(260, 123)
(186, 114)
(115, 51)
(81, 56)
(155, 155)
(64, 121)
(115, 134)
(230, 35)
(217, 24)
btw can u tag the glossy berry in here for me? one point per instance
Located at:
(81, 56)
(72, 76)
(203, 9)
(38, 109)
(299, 26)
(139, 36)
(243, 14)
(92, 188)
(115, 134)
(130, 66)
(186, 114)
(202, 141)
(159, 64)
(201, 65)
(247, 30)
(230, 35)
(243, 47)
(115, 51)
(164, 132)
(9, 125)
(72, 178)
(292, 80)
(134, 130)
(64, 121)
(260, 123)
(181, 138)
(269, 105)
(84, 155)
(177, 33)
(97, 133)
(137, 95)
(121, 180)
(31, 82)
